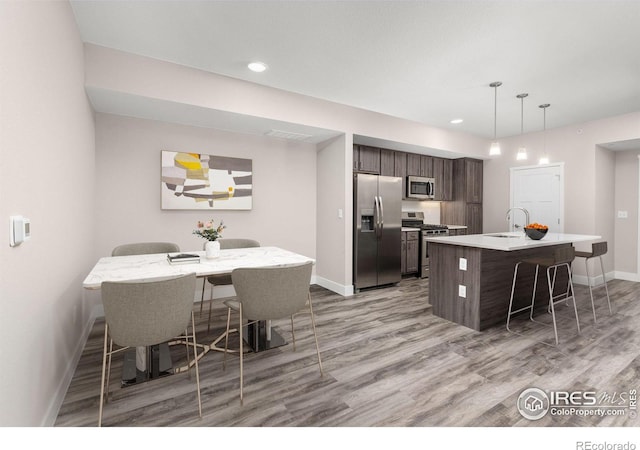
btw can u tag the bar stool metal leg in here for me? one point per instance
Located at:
(604, 280)
(593, 306)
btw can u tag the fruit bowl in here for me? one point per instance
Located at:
(535, 233)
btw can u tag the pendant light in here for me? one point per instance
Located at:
(545, 157)
(495, 147)
(522, 151)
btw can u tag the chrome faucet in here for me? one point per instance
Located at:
(526, 213)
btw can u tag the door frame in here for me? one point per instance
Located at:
(559, 165)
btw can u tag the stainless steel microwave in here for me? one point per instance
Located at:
(421, 188)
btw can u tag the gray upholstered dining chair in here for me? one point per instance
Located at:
(143, 314)
(224, 279)
(145, 248)
(269, 293)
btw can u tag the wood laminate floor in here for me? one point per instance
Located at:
(388, 362)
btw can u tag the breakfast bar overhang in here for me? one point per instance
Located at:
(471, 276)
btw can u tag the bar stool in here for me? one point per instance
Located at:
(597, 250)
(562, 257)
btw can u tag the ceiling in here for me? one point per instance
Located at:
(426, 61)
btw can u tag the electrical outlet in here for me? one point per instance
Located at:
(623, 214)
(462, 291)
(462, 265)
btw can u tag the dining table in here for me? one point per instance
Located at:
(142, 363)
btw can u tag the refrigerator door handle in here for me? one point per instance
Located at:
(381, 213)
(377, 215)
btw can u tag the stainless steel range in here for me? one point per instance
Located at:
(416, 220)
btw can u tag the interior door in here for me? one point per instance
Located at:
(540, 190)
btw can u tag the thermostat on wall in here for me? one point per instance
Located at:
(20, 230)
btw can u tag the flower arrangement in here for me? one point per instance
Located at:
(209, 231)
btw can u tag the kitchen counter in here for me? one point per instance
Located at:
(410, 229)
(510, 241)
(471, 275)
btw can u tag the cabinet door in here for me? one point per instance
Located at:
(370, 160)
(473, 175)
(387, 162)
(414, 168)
(474, 218)
(413, 257)
(400, 170)
(426, 166)
(403, 254)
(443, 174)
(356, 158)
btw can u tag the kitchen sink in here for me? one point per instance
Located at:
(505, 235)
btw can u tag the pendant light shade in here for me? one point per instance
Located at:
(544, 159)
(495, 147)
(522, 151)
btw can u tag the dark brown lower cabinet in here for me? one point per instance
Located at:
(410, 258)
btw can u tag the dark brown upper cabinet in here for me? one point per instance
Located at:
(387, 162)
(443, 174)
(366, 159)
(400, 170)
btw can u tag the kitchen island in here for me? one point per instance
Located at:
(471, 275)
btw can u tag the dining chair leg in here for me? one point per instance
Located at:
(195, 355)
(226, 340)
(210, 306)
(315, 335)
(186, 345)
(293, 334)
(104, 366)
(109, 370)
(241, 356)
(204, 283)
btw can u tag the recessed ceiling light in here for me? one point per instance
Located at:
(257, 66)
(456, 121)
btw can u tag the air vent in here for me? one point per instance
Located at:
(288, 135)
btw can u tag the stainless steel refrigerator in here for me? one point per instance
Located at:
(377, 230)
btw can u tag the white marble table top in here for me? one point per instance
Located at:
(510, 241)
(149, 267)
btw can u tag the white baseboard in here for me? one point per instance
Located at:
(341, 289)
(627, 276)
(50, 416)
(597, 280)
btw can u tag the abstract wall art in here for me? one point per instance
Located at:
(200, 181)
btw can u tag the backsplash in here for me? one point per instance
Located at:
(430, 209)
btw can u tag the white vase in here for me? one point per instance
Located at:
(212, 249)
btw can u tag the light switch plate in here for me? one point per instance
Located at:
(462, 291)
(462, 265)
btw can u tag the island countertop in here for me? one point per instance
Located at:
(510, 241)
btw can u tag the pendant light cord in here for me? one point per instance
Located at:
(495, 113)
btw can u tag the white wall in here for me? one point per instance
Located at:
(46, 174)
(128, 186)
(604, 198)
(626, 199)
(575, 145)
(123, 73)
